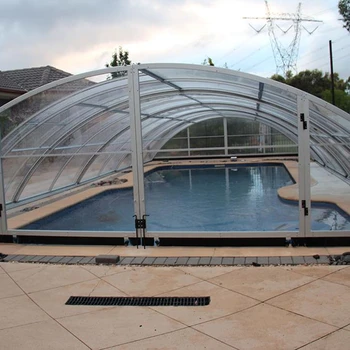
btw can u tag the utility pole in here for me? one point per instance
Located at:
(285, 57)
(332, 74)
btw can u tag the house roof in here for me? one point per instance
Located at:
(28, 79)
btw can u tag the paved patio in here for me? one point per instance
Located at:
(273, 307)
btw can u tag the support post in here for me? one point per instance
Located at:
(136, 144)
(304, 166)
(3, 220)
(332, 73)
(188, 141)
(225, 136)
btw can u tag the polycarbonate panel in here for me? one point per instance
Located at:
(169, 99)
(172, 154)
(217, 87)
(151, 126)
(328, 216)
(30, 107)
(84, 123)
(68, 174)
(120, 142)
(116, 162)
(150, 87)
(165, 106)
(200, 74)
(156, 139)
(329, 112)
(95, 167)
(41, 179)
(83, 135)
(12, 175)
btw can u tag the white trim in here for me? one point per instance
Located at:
(304, 166)
(177, 234)
(136, 142)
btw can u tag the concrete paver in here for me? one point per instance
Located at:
(184, 339)
(321, 271)
(118, 325)
(83, 250)
(106, 270)
(39, 336)
(337, 250)
(149, 281)
(53, 300)
(265, 327)
(229, 261)
(41, 278)
(206, 273)
(148, 261)
(8, 287)
(9, 248)
(223, 302)
(320, 300)
(342, 276)
(216, 261)
(20, 310)
(12, 267)
(279, 307)
(64, 250)
(335, 341)
(261, 284)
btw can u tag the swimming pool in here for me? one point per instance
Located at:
(232, 198)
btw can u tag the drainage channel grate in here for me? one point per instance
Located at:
(138, 301)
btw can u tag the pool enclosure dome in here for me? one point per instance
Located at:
(84, 127)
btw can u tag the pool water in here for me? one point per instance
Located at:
(241, 198)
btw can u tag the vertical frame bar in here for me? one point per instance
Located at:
(304, 166)
(225, 136)
(188, 142)
(136, 141)
(3, 219)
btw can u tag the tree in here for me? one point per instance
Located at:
(344, 10)
(342, 99)
(318, 84)
(208, 62)
(279, 78)
(119, 58)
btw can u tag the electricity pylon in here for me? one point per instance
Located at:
(285, 56)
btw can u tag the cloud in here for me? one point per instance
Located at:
(79, 35)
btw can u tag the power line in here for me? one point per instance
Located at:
(251, 54)
(285, 57)
(322, 57)
(258, 64)
(326, 10)
(320, 48)
(244, 41)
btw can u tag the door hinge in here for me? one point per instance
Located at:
(306, 209)
(302, 119)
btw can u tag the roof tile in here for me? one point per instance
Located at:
(30, 78)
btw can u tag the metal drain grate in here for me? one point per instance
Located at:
(138, 301)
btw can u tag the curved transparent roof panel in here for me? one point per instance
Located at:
(78, 129)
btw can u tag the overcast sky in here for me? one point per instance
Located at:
(81, 35)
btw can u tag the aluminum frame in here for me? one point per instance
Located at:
(185, 94)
